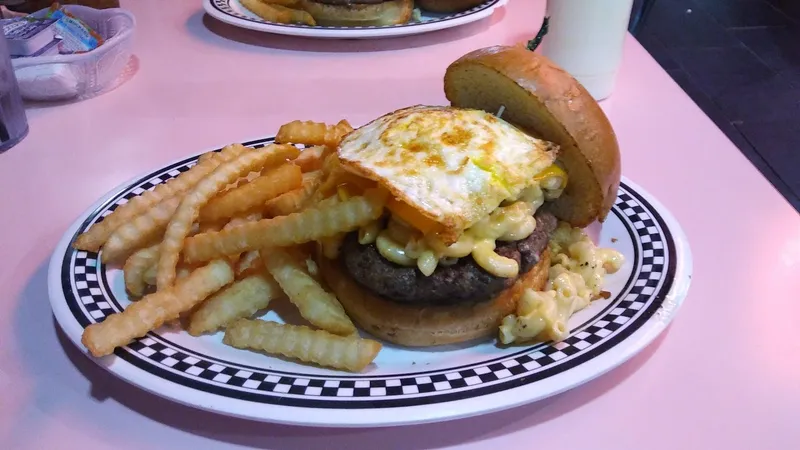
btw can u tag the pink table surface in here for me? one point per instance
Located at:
(726, 374)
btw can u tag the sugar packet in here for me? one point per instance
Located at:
(76, 35)
(26, 36)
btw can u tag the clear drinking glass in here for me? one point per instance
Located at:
(13, 121)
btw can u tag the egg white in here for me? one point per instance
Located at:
(453, 165)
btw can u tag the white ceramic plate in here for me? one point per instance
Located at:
(403, 386)
(233, 13)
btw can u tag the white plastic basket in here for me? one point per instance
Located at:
(60, 77)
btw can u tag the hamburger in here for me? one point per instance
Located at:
(447, 6)
(359, 13)
(476, 199)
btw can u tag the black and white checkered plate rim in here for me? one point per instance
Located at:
(647, 302)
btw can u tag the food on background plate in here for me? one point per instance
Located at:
(351, 13)
(427, 226)
(274, 11)
(359, 13)
(447, 6)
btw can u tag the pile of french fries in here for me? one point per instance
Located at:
(213, 247)
(280, 11)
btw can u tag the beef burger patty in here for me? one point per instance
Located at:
(464, 281)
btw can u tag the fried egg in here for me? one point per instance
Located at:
(452, 165)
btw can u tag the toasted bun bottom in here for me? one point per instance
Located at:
(448, 6)
(430, 325)
(389, 12)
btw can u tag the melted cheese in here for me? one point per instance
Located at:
(406, 246)
(454, 166)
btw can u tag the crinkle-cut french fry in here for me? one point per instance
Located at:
(249, 177)
(241, 299)
(278, 13)
(182, 272)
(331, 163)
(153, 310)
(189, 209)
(136, 267)
(149, 277)
(241, 220)
(313, 133)
(335, 176)
(342, 129)
(248, 261)
(315, 304)
(328, 202)
(207, 227)
(331, 245)
(294, 201)
(350, 353)
(205, 157)
(140, 231)
(308, 225)
(253, 194)
(313, 269)
(311, 158)
(98, 234)
(241, 181)
(235, 222)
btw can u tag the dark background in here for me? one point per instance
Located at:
(739, 60)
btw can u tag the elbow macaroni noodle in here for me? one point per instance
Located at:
(369, 233)
(511, 221)
(500, 266)
(577, 270)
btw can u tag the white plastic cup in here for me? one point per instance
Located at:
(586, 38)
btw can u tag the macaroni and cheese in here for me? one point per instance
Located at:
(577, 270)
(512, 221)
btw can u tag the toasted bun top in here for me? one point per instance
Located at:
(547, 102)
